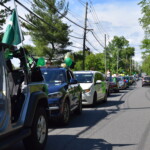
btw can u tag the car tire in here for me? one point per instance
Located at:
(94, 99)
(66, 113)
(39, 131)
(78, 111)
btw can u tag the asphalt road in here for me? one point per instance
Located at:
(123, 123)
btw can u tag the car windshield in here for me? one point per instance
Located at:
(119, 79)
(84, 78)
(146, 78)
(54, 76)
(110, 79)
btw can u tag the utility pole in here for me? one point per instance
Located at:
(117, 59)
(84, 37)
(130, 65)
(105, 57)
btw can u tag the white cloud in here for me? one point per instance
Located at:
(116, 18)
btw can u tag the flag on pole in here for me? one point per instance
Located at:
(12, 34)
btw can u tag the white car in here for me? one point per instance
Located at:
(93, 85)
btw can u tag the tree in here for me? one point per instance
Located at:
(51, 36)
(3, 14)
(118, 53)
(145, 20)
(95, 62)
(146, 65)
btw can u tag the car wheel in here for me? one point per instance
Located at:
(39, 130)
(94, 99)
(66, 113)
(78, 111)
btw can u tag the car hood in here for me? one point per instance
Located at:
(85, 86)
(55, 87)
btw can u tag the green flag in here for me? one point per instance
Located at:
(12, 34)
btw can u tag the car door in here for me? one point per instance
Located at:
(5, 111)
(70, 89)
(103, 85)
(97, 86)
(77, 91)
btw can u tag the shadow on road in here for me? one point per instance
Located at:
(112, 103)
(69, 142)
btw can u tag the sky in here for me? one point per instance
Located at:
(110, 17)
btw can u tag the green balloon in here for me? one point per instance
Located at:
(68, 61)
(41, 62)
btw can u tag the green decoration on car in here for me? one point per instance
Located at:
(103, 87)
(41, 62)
(8, 54)
(68, 61)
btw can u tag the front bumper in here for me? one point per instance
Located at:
(54, 108)
(146, 83)
(87, 98)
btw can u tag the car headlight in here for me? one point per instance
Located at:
(55, 95)
(86, 91)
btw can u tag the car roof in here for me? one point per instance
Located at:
(53, 68)
(84, 72)
(146, 76)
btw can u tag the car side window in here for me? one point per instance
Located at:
(101, 77)
(96, 77)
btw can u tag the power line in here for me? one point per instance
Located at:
(40, 19)
(44, 20)
(82, 3)
(97, 39)
(92, 45)
(96, 16)
(37, 28)
(18, 15)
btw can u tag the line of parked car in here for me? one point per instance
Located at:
(31, 95)
(68, 91)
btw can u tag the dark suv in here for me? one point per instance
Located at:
(146, 81)
(23, 101)
(64, 93)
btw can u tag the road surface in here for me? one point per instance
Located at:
(123, 123)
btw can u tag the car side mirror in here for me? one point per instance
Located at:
(98, 81)
(73, 81)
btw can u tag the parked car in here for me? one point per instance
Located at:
(121, 83)
(126, 78)
(131, 80)
(64, 93)
(23, 102)
(146, 81)
(113, 86)
(94, 87)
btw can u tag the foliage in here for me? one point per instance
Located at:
(92, 61)
(119, 49)
(3, 14)
(95, 62)
(51, 36)
(146, 45)
(146, 65)
(145, 20)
